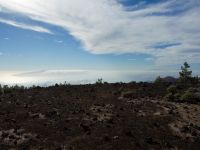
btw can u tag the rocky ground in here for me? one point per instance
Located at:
(96, 117)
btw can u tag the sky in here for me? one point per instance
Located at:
(79, 41)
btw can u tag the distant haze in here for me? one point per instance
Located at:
(49, 77)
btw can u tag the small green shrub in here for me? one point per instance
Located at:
(177, 96)
(129, 94)
(99, 81)
(158, 80)
(56, 85)
(172, 93)
(1, 90)
(172, 89)
(192, 95)
(169, 96)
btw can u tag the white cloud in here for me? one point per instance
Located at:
(58, 41)
(149, 59)
(106, 26)
(25, 26)
(51, 73)
(132, 59)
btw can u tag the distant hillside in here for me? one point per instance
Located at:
(169, 79)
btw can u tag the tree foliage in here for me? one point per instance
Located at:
(158, 80)
(185, 76)
(99, 81)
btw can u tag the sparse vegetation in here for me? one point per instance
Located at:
(187, 87)
(186, 73)
(129, 94)
(186, 79)
(99, 81)
(191, 95)
(171, 93)
(9, 89)
(158, 80)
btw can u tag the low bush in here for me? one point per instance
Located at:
(172, 93)
(99, 81)
(191, 95)
(129, 94)
(172, 89)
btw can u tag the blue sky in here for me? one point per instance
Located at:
(47, 41)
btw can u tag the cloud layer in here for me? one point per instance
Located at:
(25, 26)
(168, 31)
(48, 77)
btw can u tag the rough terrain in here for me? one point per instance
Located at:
(97, 117)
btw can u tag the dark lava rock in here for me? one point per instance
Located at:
(129, 134)
(151, 141)
(85, 127)
(52, 113)
(106, 139)
(110, 121)
(169, 146)
(156, 124)
(185, 129)
(4, 135)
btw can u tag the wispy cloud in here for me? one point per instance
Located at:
(132, 59)
(6, 38)
(106, 26)
(1, 53)
(149, 59)
(25, 26)
(58, 41)
(51, 73)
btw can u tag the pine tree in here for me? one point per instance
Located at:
(185, 74)
(158, 80)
